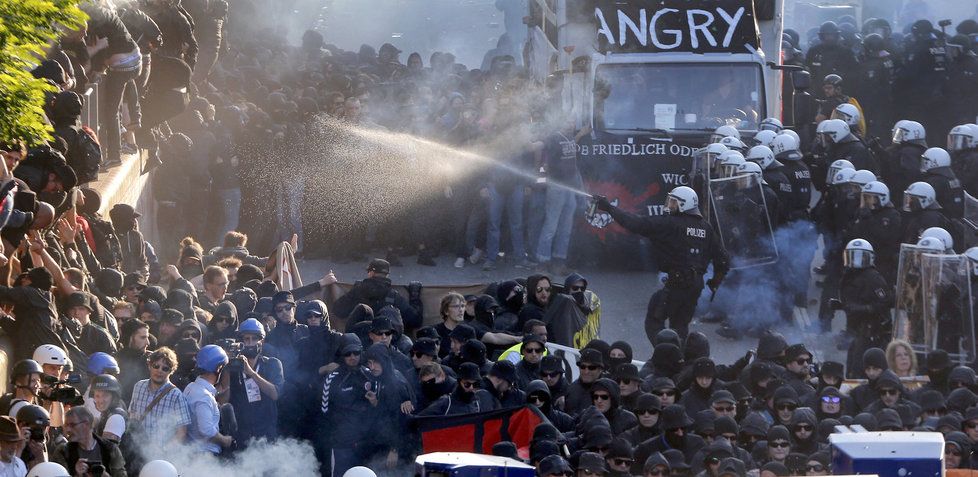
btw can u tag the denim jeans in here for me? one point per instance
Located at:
(558, 221)
(225, 214)
(512, 203)
(110, 99)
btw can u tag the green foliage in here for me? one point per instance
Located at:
(27, 28)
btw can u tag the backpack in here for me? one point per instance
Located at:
(85, 155)
(108, 249)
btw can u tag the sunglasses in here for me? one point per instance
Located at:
(711, 460)
(787, 407)
(552, 375)
(831, 399)
(384, 333)
(351, 353)
(803, 427)
(650, 412)
(803, 361)
(190, 335)
(576, 289)
(724, 408)
(279, 309)
(779, 444)
(622, 461)
(418, 354)
(668, 393)
(602, 397)
(467, 384)
(536, 398)
(543, 289)
(589, 367)
(533, 350)
(626, 381)
(815, 467)
(889, 392)
(599, 450)
(970, 425)
(160, 367)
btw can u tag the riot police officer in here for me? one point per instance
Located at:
(866, 298)
(921, 211)
(832, 214)
(840, 143)
(849, 113)
(902, 157)
(962, 85)
(832, 89)
(962, 143)
(921, 78)
(786, 151)
(873, 83)
(829, 55)
(685, 245)
(881, 225)
(935, 164)
(774, 177)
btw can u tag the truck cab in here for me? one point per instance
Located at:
(653, 80)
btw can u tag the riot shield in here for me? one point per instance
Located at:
(947, 311)
(909, 306)
(933, 303)
(742, 221)
(969, 223)
(700, 173)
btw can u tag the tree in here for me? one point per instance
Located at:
(27, 29)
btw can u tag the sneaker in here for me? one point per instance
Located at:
(460, 262)
(488, 266)
(476, 256)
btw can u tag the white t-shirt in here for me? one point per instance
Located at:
(14, 468)
(115, 425)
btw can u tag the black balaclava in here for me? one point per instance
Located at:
(625, 348)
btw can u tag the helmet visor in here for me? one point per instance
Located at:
(957, 142)
(911, 203)
(672, 205)
(769, 127)
(715, 138)
(858, 259)
(898, 135)
(836, 114)
(870, 201)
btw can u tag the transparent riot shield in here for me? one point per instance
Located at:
(700, 173)
(909, 306)
(742, 221)
(969, 223)
(947, 311)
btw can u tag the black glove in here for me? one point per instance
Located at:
(602, 202)
(714, 284)
(835, 303)
(414, 290)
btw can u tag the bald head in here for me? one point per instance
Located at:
(43, 217)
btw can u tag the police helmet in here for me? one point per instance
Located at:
(733, 143)
(832, 79)
(729, 161)
(159, 468)
(961, 137)
(873, 43)
(844, 176)
(931, 245)
(859, 254)
(878, 191)
(724, 131)
(771, 124)
(764, 137)
(48, 469)
(972, 255)
(919, 196)
(940, 234)
(762, 155)
(933, 158)
(837, 166)
(785, 143)
(909, 131)
(847, 112)
(832, 131)
(686, 199)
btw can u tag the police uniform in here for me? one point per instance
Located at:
(866, 298)
(901, 168)
(855, 152)
(800, 180)
(948, 189)
(684, 246)
(882, 228)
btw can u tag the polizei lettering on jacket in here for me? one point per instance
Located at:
(695, 232)
(705, 26)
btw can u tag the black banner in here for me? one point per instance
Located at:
(635, 172)
(650, 26)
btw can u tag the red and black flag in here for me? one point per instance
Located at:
(480, 431)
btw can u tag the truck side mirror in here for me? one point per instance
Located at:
(801, 80)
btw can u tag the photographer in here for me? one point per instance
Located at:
(255, 382)
(26, 379)
(87, 454)
(34, 422)
(201, 396)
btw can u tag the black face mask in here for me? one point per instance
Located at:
(251, 352)
(616, 361)
(432, 390)
(938, 377)
(186, 363)
(515, 303)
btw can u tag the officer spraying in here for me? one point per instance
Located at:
(684, 244)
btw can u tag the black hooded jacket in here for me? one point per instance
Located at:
(377, 292)
(620, 419)
(533, 309)
(561, 420)
(387, 423)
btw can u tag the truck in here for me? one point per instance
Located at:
(653, 79)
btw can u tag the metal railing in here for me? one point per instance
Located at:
(89, 115)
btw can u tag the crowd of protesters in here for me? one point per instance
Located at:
(125, 350)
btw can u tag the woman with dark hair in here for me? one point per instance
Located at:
(538, 293)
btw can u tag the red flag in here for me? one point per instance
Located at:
(480, 431)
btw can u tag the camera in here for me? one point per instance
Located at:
(37, 433)
(96, 468)
(233, 349)
(62, 390)
(944, 23)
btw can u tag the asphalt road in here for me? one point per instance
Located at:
(624, 297)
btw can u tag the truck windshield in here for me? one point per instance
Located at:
(677, 96)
